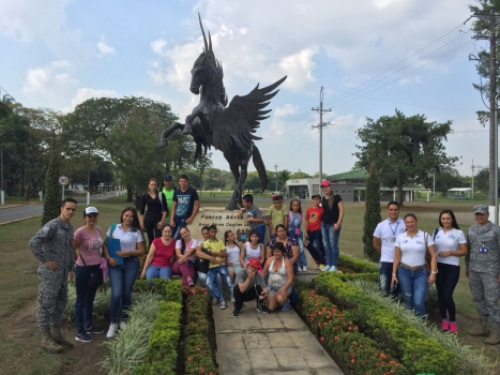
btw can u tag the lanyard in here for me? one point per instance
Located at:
(395, 229)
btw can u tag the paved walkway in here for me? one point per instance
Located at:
(261, 344)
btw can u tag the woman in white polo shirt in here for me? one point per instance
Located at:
(410, 268)
(450, 244)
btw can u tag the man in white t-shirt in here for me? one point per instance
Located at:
(384, 238)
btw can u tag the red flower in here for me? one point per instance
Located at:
(322, 338)
(353, 360)
(382, 355)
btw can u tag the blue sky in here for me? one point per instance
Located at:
(58, 53)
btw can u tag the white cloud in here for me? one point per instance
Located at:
(87, 93)
(105, 49)
(50, 85)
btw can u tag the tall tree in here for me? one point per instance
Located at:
(52, 200)
(372, 212)
(406, 149)
(283, 177)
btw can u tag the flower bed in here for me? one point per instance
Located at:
(198, 350)
(338, 333)
(409, 345)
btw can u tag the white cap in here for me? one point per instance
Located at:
(90, 210)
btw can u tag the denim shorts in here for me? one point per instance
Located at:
(236, 268)
(274, 291)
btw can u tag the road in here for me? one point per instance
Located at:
(22, 212)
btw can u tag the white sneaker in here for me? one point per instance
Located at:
(112, 330)
(232, 299)
(123, 325)
(333, 269)
(304, 269)
(326, 268)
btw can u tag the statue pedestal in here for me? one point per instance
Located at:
(227, 220)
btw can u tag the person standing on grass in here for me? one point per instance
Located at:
(157, 211)
(277, 214)
(331, 224)
(295, 231)
(410, 267)
(384, 240)
(250, 286)
(450, 243)
(51, 245)
(483, 270)
(122, 277)
(253, 216)
(217, 266)
(314, 239)
(185, 206)
(88, 241)
(168, 192)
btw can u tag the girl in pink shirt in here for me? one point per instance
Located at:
(185, 249)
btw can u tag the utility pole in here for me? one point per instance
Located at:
(320, 126)
(276, 177)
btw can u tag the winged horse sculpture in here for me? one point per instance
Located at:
(229, 129)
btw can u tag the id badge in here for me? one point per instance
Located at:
(393, 239)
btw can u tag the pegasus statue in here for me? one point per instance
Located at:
(229, 129)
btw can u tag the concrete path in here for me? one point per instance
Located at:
(261, 344)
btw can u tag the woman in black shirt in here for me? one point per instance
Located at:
(331, 223)
(157, 211)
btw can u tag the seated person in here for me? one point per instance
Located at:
(184, 265)
(250, 286)
(161, 252)
(280, 271)
(217, 266)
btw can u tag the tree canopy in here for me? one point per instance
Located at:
(405, 149)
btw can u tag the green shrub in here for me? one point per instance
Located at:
(338, 332)
(357, 265)
(417, 352)
(372, 212)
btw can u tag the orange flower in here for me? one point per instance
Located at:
(353, 360)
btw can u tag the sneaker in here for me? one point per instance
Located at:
(214, 301)
(236, 312)
(321, 266)
(304, 269)
(453, 327)
(83, 337)
(286, 306)
(445, 325)
(123, 324)
(112, 330)
(232, 299)
(94, 329)
(332, 269)
(263, 309)
(223, 305)
(326, 268)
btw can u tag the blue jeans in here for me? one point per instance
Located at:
(85, 295)
(122, 279)
(212, 274)
(414, 288)
(331, 243)
(316, 246)
(385, 278)
(180, 223)
(302, 262)
(155, 272)
(262, 233)
(203, 281)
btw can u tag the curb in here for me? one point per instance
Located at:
(7, 206)
(15, 221)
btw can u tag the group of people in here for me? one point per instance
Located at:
(411, 260)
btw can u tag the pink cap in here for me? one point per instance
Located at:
(325, 183)
(254, 262)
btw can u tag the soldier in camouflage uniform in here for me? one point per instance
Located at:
(483, 271)
(51, 245)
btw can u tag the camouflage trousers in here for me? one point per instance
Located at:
(52, 296)
(485, 290)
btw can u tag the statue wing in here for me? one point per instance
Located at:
(235, 125)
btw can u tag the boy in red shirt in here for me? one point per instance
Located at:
(314, 239)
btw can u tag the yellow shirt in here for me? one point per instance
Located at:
(277, 216)
(214, 247)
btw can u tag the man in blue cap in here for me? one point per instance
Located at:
(483, 270)
(168, 191)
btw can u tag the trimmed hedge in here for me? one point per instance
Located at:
(336, 330)
(357, 265)
(417, 352)
(164, 337)
(197, 347)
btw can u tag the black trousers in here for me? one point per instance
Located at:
(446, 281)
(251, 294)
(150, 225)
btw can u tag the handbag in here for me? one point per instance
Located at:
(200, 264)
(95, 276)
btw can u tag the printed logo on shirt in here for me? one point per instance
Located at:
(405, 241)
(182, 204)
(419, 242)
(451, 236)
